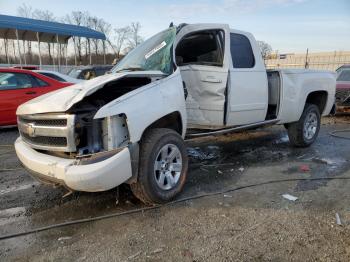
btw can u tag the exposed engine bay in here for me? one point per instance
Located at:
(96, 135)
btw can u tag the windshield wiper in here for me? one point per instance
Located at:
(130, 69)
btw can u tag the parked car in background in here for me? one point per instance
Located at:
(89, 72)
(343, 67)
(59, 77)
(18, 86)
(342, 94)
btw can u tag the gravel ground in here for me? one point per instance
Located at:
(253, 224)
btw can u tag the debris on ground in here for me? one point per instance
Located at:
(64, 238)
(187, 253)
(197, 153)
(304, 168)
(220, 172)
(158, 250)
(227, 196)
(337, 218)
(289, 197)
(324, 161)
(283, 139)
(241, 169)
(134, 255)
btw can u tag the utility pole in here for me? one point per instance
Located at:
(306, 59)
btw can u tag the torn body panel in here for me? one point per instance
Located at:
(206, 88)
(153, 102)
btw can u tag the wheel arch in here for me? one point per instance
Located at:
(318, 98)
(172, 121)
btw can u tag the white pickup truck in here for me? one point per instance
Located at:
(186, 81)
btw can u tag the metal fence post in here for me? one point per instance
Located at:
(38, 38)
(19, 50)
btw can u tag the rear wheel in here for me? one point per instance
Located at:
(304, 132)
(163, 166)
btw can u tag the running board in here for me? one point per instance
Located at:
(232, 129)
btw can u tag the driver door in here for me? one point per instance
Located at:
(202, 56)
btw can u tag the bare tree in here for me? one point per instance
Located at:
(78, 18)
(93, 23)
(265, 48)
(105, 28)
(135, 38)
(122, 35)
(45, 15)
(27, 12)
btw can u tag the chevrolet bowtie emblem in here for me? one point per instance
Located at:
(31, 130)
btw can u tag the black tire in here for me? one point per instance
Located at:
(296, 133)
(147, 189)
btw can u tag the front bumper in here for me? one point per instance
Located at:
(98, 176)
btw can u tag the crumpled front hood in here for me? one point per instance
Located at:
(62, 99)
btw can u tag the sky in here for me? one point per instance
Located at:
(287, 25)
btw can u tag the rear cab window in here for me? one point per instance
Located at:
(241, 51)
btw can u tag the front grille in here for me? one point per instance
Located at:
(342, 97)
(51, 132)
(45, 122)
(46, 140)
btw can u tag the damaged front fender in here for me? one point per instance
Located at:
(151, 103)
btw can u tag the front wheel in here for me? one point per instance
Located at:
(162, 168)
(304, 132)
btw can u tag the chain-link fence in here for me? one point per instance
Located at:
(325, 60)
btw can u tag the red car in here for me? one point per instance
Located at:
(18, 86)
(342, 94)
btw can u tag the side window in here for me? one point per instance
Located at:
(37, 82)
(201, 48)
(241, 51)
(100, 71)
(10, 81)
(344, 75)
(53, 76)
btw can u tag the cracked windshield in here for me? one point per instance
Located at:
(152, 55)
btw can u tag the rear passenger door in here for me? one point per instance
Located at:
(247, 95)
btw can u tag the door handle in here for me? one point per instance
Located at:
(211, 79)
(30, 93)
